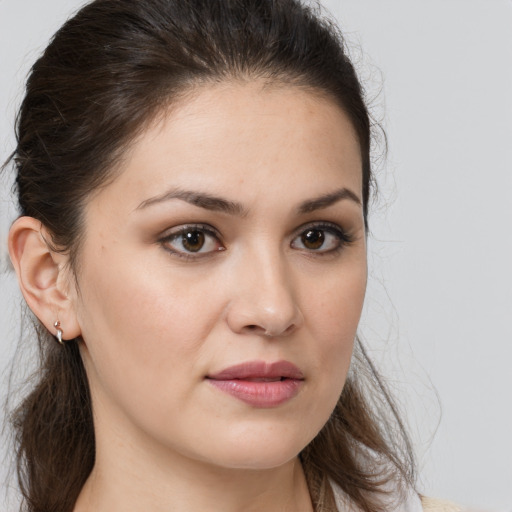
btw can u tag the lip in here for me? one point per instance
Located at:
(258, 383)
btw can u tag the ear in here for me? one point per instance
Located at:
(44, 276)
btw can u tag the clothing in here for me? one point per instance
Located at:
(409, 502)
(433, 505)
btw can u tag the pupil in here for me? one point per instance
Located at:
(193, 240)
(313, 239)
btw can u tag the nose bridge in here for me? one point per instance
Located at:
(274, 286)
(265, 298)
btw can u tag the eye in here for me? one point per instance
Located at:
(188, 241)
(321, 238)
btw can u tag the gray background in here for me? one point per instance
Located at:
(439, 305)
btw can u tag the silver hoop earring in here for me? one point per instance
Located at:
(59, 333)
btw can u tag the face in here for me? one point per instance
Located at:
(222, 277)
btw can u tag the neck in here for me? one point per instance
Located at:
(127, 477)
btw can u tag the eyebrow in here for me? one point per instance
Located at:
(219, 204)
(327, 200)
(206, 201)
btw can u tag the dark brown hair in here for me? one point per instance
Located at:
(106, 74)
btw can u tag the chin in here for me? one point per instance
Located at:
(261, 449)
(258, 460)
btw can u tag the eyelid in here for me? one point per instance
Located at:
(174, 233)
(321, 224)
(190, 226)
(344, 237)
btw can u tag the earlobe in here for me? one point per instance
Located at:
(43, 276)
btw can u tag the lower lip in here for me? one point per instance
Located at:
(257, 393)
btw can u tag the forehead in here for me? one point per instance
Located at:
(238, 138)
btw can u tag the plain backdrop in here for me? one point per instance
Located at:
(438, 75)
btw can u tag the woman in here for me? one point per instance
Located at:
(193, 181)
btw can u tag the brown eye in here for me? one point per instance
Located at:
(321, 238)
(313, 239)
(193, 241)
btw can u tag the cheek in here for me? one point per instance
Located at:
(334, 317)
(128, 299)
(335, 312)
(141, 329)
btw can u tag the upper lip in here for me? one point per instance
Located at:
(259, 370)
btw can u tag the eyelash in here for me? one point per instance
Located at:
(344, 239)
(200, 228)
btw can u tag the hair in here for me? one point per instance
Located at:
(106, 74)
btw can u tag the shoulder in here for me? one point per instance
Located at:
(407, 500)
(434, 505)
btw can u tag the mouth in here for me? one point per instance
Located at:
(258, 383)
(259, 370)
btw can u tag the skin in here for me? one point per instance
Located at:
(157, 319)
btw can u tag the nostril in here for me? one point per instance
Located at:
(258, 329)
(289, 329)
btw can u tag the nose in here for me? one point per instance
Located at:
(264, 301)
